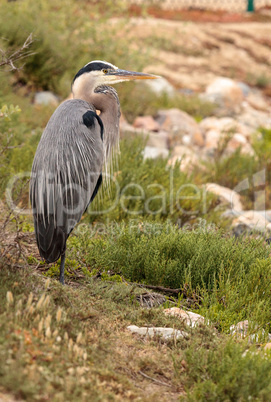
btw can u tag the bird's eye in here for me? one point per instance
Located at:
(105, 71)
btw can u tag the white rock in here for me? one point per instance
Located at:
(249, 221)
(154, 152)
(151, 332)
(188, 317)
(46, 98)
(227, 196)
(240, 138)
(161, 86)
(226, 93)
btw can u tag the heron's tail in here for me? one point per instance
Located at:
(51, 240)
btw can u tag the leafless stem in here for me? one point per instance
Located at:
(153, 379)
(9, 58)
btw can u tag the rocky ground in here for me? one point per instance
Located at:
(226, 64)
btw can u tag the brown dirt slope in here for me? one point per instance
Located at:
(191, 54)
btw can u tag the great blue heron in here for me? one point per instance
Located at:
(67, 168)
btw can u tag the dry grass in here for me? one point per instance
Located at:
(84, 352)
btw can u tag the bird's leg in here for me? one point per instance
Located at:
(62, 269)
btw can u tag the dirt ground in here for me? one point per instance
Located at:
(191, 54)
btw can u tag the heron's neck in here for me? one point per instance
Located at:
(104, 99)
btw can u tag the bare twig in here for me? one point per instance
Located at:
(14, 246)
(153, 379)
(8, 58)
(160, 288)
(150, 300)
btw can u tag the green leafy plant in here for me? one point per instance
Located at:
(6, 111)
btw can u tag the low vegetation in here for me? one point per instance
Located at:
(70, 343)
(222, 275)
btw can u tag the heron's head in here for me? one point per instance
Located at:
(97, 73)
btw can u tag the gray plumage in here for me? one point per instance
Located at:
(65, 171)
(76, 143)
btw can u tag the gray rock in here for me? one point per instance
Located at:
(244, 88)
(186, 91)
(152, 332)
(240, 329)
(158, 139)
(46, 98)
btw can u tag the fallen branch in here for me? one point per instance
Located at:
(140, 285)
(174, 292)
(153, 379)
(160, 288)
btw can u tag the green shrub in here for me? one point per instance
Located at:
(17, 148)
(162, 254)
(241, 294)
(232, 278)
(224, 373)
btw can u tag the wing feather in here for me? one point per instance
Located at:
(66, 174)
